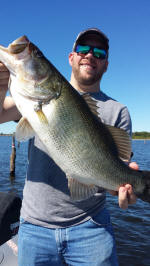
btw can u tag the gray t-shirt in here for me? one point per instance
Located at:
(46, 198)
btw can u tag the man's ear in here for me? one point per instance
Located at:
(70, 58)
(106, 66)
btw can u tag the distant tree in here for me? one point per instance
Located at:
(141, 135)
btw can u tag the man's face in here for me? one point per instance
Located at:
(87, 69)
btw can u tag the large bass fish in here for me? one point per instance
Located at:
(89, 152)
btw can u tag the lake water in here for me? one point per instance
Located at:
(132, 226)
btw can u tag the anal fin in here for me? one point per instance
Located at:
(80, 191)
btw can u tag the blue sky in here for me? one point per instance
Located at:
(53, 26)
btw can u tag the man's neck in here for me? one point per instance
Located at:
(85, 88)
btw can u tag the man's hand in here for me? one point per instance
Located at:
(8, 110)
(4, 77)
(125, 194)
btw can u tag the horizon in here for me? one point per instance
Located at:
(6, 130)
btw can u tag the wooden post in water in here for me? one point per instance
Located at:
(12, 158)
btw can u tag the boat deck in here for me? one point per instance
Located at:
(9, 253)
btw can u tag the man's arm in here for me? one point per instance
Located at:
(8, 110)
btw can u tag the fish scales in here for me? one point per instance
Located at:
(67, 124)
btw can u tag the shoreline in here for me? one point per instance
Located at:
(6, 135)
(140, 139)
(11, 134)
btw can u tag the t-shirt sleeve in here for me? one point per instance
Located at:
(124, 120)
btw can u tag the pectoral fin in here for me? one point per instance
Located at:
(79, 191)
(41, 116)
(24, 131)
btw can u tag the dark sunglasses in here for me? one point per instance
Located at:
(97, 52)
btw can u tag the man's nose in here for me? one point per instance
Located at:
(89, 54)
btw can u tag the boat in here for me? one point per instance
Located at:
(10, 205)
(9, 252)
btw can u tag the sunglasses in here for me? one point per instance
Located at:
(97, 52)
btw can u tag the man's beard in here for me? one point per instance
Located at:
(87, 81)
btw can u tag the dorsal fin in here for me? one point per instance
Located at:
(122, 141)
(92, 103)
(120, 136)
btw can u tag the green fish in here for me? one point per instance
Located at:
(91, 153)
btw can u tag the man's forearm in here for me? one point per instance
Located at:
(9, 112)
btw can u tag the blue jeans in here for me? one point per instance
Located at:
(90, 243)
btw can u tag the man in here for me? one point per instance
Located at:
(54, 229)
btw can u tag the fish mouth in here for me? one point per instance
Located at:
(21, 40)
(18, 45)
(18, 49)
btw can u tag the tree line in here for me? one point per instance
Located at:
(141, 135)
(135, 135)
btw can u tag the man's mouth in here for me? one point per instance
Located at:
(87, 66)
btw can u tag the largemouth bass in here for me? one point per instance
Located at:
(89, 152)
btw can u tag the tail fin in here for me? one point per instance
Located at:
(145, 196)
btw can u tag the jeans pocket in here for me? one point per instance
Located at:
(101, 219)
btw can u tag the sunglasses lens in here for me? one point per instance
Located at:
(99, 53)
(84, 49)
